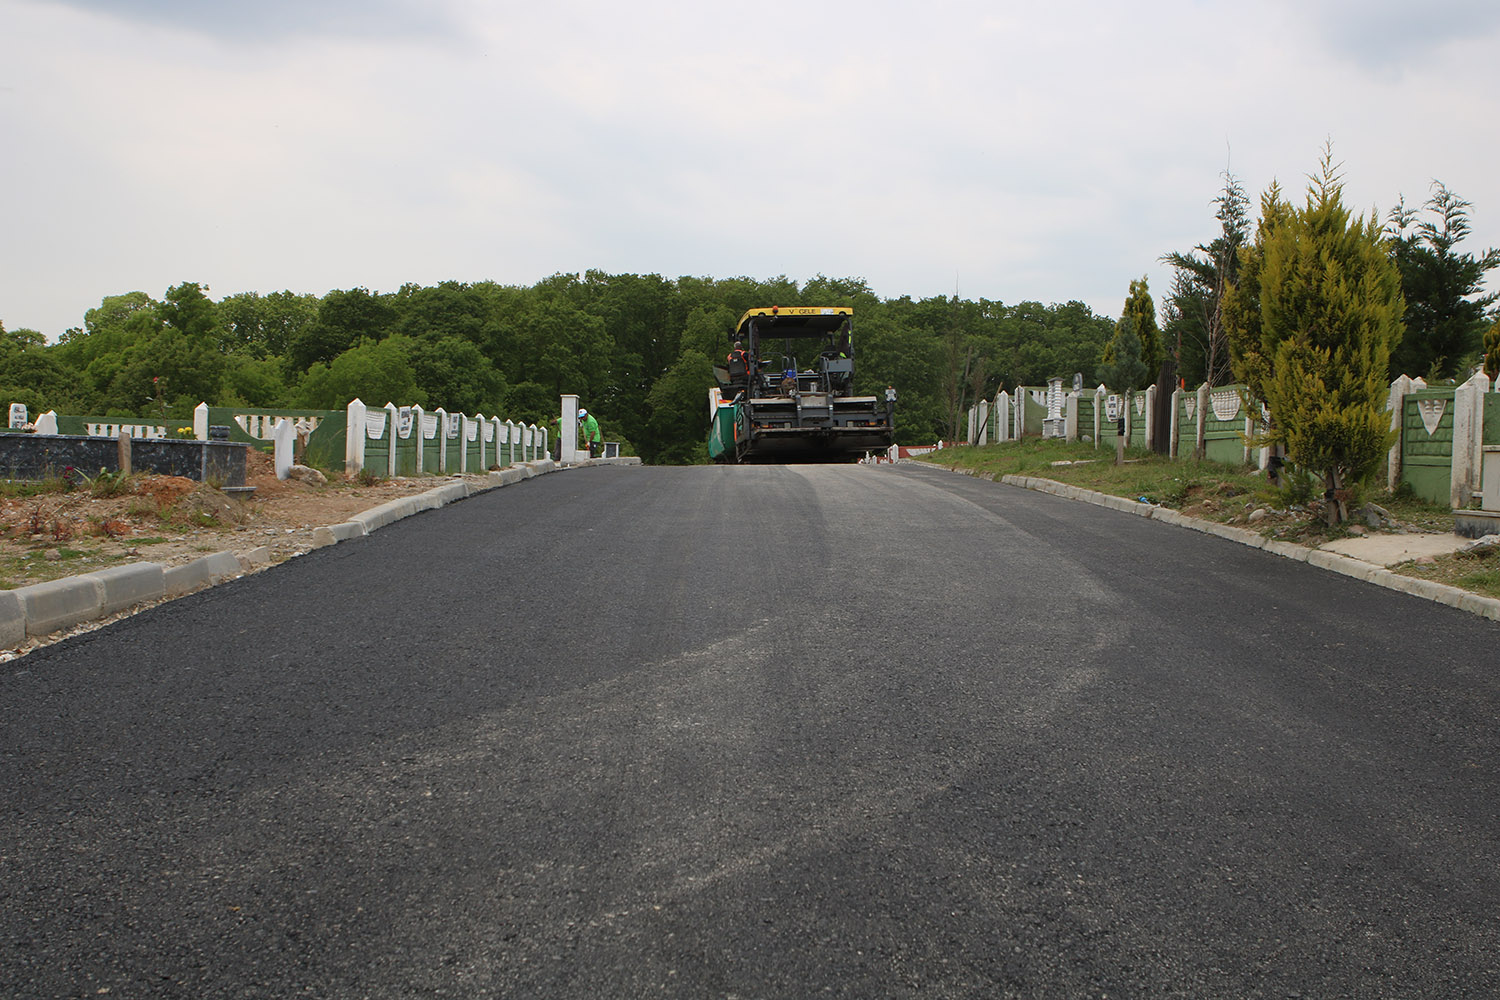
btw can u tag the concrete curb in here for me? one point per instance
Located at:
(204, 571)
(133, 583)
(1430, 590)
(44, 608)
(12, 619)
(60, 604)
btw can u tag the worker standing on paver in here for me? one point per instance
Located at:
(588, 427)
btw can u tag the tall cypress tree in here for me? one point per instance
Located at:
(1313, 322)
(1124, 371)
(1137, 320)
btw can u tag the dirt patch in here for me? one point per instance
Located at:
(171, 520)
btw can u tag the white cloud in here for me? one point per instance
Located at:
(1046, 152)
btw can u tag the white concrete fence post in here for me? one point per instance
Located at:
(1175, 430)
(1396, 403)
(1200, 434)
(354, 437)
(1151, 428)
(1468, 439)
(419, 436)
(1250, 418)
(567, 430)
(284, 447)
(392, 411)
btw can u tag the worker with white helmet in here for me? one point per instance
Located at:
(588, 428)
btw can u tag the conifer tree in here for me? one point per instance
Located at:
(1314, 319)
(1193, 313)
(1137, 322)
(1124, 370)
(1445, 301)
(1492, 351)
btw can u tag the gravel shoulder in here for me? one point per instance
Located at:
(170, 520)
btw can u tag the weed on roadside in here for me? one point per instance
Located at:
(1231, 494)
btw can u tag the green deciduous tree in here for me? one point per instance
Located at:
(345, 317)
(375, 371)
(453, 373)
(262, 326)
(1313, 322)
(30, 373)
(679, 411)
(188, 310)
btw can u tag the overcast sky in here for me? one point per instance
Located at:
(1048, 151)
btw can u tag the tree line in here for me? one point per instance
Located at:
(637, 349)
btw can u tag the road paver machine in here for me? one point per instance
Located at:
(786, 391)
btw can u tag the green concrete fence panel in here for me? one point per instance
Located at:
(256, 425)
(1035, 402)
(1224, 425)
(1491, 432)
(1427, 443)
(1187, 424)
(405, 442)
(136, 427)
(1137, 424)
(1086, 418)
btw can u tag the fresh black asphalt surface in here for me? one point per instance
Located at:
(759, 732)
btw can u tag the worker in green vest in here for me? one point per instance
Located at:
(588, 428)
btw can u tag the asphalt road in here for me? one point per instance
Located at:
(759, 732)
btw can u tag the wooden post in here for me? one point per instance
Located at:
(124, 452)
